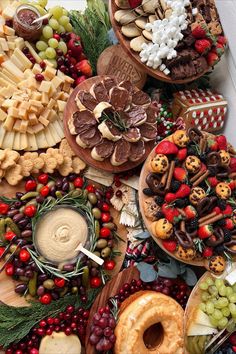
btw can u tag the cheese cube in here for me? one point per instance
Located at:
(51, 103)
(12, 68)
(32, 119)
(66, 87)
(52, 116)
(33, 109)
(20, 43)
(32, 83)
(49, 73)
(9, 12)
(45, 98)
(8, 30)
(37, 128)
(1, 30)
(36, 96)
(8, 124)
(23, 114)
(48, 63)
(7, 91)
(24, 60)
(17, 62)
(3, 115)
(11, 45)
(61, 105)
(14, 112)
(45, 86)
(9, 103)
(23, 126)
(46, 113)
(4, 44)
(24, 105)
(17, 125)
(28, 74)
(36, 69)
(43, 120)
(56, 81)
(64, 96)
(35, 103)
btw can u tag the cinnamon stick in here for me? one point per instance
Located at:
(196, 176)
(209, 216)
(203, 145)
(182, 226)
(170, 175)
(200, 179)
(212, 220)
(164, 179)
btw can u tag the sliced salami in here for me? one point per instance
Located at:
(148, 131)
(132, 135)
(119, 98)
(152, 113)
(140, 98)
(103, 150)
(121, 152)
(99, 92)
(84, 99)
(135, 116)
(137, 150)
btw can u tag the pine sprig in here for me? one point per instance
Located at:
(16, 322)
(92, 26)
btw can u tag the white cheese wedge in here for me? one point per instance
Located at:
(2, 135)
(231, 277)
(199, 317)
(32, 143)
(33, 52)
(199, 330)
(54, 133)
(8, 140)
(58, 128)
(23, 141)
(16, 145)
(41, 140)
(50, 138)
(23, 59)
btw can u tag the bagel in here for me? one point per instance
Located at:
(144, 310)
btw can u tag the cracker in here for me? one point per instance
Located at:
(13, 175)
(26, 166)
(38, 164)
(125, 16)
(66, 168)
(130, 30)
(65, 149)
(50, 163)
(2, 173)
(141, 22)
(78, 165)
(10, 159)
(31, 155)
(2, 155)
(56, 154)
(136, 43)
(147, 35)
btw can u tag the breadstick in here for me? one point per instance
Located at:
(212, 220)
(170, 175)
(200, 179)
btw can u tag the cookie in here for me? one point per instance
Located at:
(2, 155)
(217, 264)
(193, 164)
(159, 163)
(78, 165)
(56, 154)
(197, 194)
(38, 163)
(141, 22)
(148, 35)
(65, 149)
(13, 175)
(26, 166)
(151, 208)
(10, 159)
(162, 228)
(136, 43)
(186, 254)
(131, 30)
(125, 16)
(223, 190)
(66, 168)
(224, 158)
(50, 163)
(180, 138)
(150, 6)
(122, 4)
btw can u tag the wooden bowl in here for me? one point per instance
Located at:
(7, 284)
(85, 154)
(125, 42)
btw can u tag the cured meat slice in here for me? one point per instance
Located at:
(103, 150)
(135, 117)
(99, 92)
(89, 138)
(132, 135)
(109, 82)
(121, 152)
(109, 131)
(127, 85)
(148, 131)
(85, 100)
(140, 98)
(137, 150)
(152, 113)
(119, 98)
(84, 118)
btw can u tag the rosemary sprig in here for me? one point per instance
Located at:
(116, 119)
(198, 245)
(7, 200)
(114, 309)
(16, 322)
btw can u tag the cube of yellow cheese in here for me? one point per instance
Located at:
(9, 103)
(43, 120)
(17, 125)
(11, 45)
(4, 44)
(23, 114)
(36, 69)
(35, 103)
(8, 124)
(51, 103)
(66, 87)
(3, 115)
(32, 119)
(23, 126)
(36, 96)
(49, 73)
(24, 105)
(45, 98)
(19, 42)
(52, 116)
(45, 86)
(8, 30)
(57, 81)
(14, 112)
(61, 105)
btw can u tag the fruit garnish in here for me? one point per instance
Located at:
(205, 231)
(180, 174)
(166, 147)
(202, 46)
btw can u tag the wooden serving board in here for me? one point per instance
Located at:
(125, 42)
(85, 154)
(114, 61)
(7, 285)
(109, 290)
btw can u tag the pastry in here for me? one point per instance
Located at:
(159, 163)
(162, 228)
(217, 264)
(197, 193)
(146, 309)
(193, 164)
(223, 190)
(151, 208)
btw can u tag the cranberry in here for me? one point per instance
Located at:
(108, 332)
(84, 298)
(48, 332)
(63, 68)
(73, 325)
(50, 320)
(86, 314)
(34, 351)
(42, 323)
(18, 351)
(42, 65)
(41, 332)
(39, 77)
(68, 331)
(57, 321)
(70, 309)
(118, 193)
(33, 61)
(9, 23)
(57, 329)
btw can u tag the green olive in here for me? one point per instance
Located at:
(71, 186)
(51, 184)
(48, 284)
(74, 290)
(92, 198)
(106, 252)
(96, 213)
(85, 193)
(101, 243)
(24, 279)
(64, 291)
(77, 192)
(7, 256)
(39, 186)
(109, 225)
(32, 202)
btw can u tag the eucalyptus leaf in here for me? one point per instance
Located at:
(182, 269)
(147, 272)
(165, 270)
(189, 276)
(143, 235)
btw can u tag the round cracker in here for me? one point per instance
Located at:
(131, 30)
(141, 22)
(136, 43)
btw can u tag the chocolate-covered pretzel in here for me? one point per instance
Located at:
(154, 183)
(194, 134)
(230, 244)
(213, 159)
(192, 234)
(184, 239)
(216, 239)
(204, 206)
(224, 173)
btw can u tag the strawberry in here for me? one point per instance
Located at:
(180, 174)
(166, 147)
(213, 181)
(190, 212)
(84, 67)
(184, 191)
(217, 210)
(200, 31)
(232, 184)
(205, 231)
(228, 210)
(213, 145)
(171, 214)
(212, 58)
(182, 153)
(232, 164)
(219, 49)
(134, 3)
(229, 225)
(169, 245)
(170, 197)
(222, 142)
(202, 46)
(222, 40)
(207, 252)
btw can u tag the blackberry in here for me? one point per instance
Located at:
(227, 235)
(180, 203)
(186, 201)
(193, 224)
(148, 192)
(203, 157)
(221, 222)
(221, 204)
(175, 186)
(159, 215)
(192, 150)
(219, 249)
(159, 200)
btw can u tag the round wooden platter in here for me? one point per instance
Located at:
(85, 154)
(109, 290)
(7, 284)
(125, 42)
